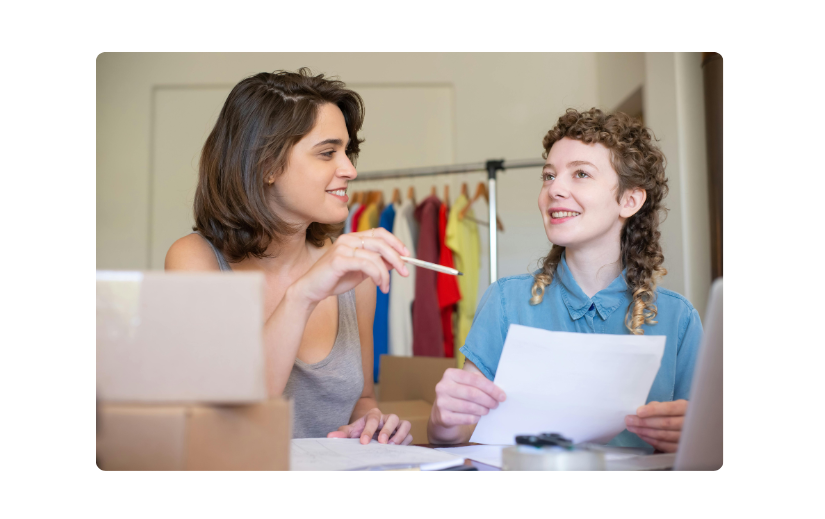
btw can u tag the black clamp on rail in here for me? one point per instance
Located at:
(494, 166)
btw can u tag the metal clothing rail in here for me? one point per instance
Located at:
(492, 167)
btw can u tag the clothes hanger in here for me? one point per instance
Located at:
(411, 194)
(447, 195)
(464, 189)
(481, 191)
(432, 192)
(396, 196)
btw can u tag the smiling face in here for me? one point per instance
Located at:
(578, 197)
(313, 186)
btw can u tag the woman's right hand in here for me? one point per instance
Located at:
(350, 260)
(463, 396)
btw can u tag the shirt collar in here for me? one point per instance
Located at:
(606, 300)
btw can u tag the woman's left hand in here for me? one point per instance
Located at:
(659, 424)
(386, 428)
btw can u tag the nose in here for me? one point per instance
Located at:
(346, 169)
(558, 188)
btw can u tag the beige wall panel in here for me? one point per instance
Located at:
(620, 75)
(502, 106)
(661, 116)
(183, 118)
(406, 126)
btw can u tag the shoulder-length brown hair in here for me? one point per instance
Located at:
(639, 163)
(263, 117)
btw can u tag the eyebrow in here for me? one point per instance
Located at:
(337, 142)
(574, 164)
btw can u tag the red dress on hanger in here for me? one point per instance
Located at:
(446, 285)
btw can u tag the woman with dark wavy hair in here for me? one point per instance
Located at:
(603, 184)
(271, 197)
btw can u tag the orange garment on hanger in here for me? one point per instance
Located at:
(446, 285)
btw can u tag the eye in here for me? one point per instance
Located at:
(581, 174)
(328, 154)
(547, 177)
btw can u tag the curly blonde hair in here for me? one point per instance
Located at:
(639, 164)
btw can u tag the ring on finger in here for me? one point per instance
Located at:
(362, 244)
(372, 234)
(353, 251)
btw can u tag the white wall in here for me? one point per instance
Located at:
(674, 109)
(620, 74)
(500, 106)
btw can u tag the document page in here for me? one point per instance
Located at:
(348, 454)
(580, 385)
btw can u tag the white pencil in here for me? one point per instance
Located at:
(432, 266)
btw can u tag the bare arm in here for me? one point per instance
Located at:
(365, 297)
(284, 327)
(462, 398)
(348, 262)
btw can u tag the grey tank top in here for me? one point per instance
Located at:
(324, 393)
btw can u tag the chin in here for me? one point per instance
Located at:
(558, 239)
(331, 219)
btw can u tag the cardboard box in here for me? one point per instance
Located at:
(180, 337)
(416, 411)
(407, 389)
(195, 437)
(411, 378)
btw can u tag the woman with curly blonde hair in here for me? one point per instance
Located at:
(603, 184)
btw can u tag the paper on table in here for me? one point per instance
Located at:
(491, 454)
(580, 385)
(348, 453)
(488, 454)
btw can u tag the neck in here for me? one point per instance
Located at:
(288, 258)
(594, 270)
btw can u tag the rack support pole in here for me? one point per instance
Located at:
(493, 166)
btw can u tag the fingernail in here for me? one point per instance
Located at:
(383, 438)
(630, 420)
(365, 437)
(406, 251)
(502, 397)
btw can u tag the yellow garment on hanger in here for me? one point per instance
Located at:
(462, 238)
(369, 218)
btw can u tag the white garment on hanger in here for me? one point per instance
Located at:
(348, 223)
(402, 289)
(482, 212)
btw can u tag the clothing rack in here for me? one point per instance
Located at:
(492, 167)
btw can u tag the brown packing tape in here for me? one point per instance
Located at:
(411, 378)
(195, 437)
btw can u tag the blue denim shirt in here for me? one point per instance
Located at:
(566, 308)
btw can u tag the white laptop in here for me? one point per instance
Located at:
(700, 446)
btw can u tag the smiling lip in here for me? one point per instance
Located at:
(563, 213)
(340, 194)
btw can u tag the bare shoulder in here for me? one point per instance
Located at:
(192, 252)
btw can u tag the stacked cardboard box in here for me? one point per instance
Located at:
(407, 389)
(180, 374)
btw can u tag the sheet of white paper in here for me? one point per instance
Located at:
(488, 454)
(580, 385)
(348, 453)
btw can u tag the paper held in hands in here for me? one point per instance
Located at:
(580, 385)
